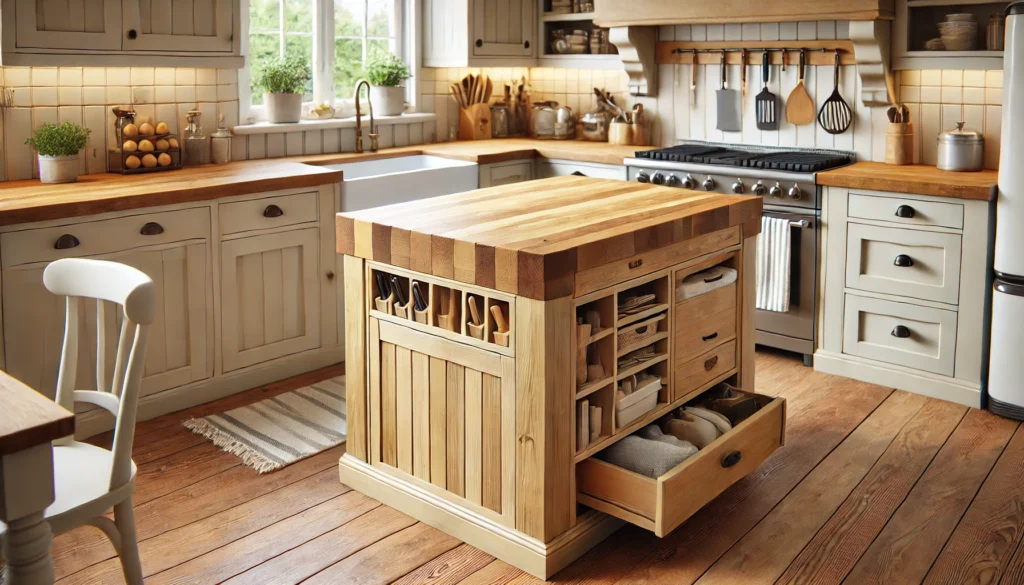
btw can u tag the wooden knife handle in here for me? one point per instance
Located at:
(499, 318)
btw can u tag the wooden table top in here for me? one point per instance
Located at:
(25, 201)
(912, 179)
(29, 418)
(531, 238)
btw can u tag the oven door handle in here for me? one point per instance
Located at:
(803, 223)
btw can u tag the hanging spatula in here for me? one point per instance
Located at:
(728, 104)
(835, 115)
(800, 106)
(766, 103)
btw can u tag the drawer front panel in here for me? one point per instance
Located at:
(908, 263)
(269, 212)
(906, 211)
(697, 372)
(91, 238)
(926, 340)
(713, 322)
(662, 504)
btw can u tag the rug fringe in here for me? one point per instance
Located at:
(228, 443)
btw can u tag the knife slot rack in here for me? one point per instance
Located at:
(425, 316)
(495, 334)
(446, 303)
(474, 329)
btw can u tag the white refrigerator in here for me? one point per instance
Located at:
(1006, 347)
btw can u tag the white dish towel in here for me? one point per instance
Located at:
(773, 265)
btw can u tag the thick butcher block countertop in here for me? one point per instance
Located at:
(24, 201)
(912, 179)
(532, 238)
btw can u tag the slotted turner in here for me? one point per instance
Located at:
(767, 104)
(835, 115)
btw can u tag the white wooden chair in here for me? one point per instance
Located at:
(91, 480)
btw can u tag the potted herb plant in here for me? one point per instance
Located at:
(386, 73)
(58, 147)
(283, 81)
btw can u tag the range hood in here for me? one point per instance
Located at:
(634, 24)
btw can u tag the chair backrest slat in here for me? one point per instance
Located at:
(113, 286)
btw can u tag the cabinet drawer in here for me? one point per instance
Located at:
(907, 211)
(711, 321)
(661, 505)
(904, 262)
(269, 212)
(925, 341)
(703, 369)
(103, 237)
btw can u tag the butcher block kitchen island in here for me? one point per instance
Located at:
(494, 340)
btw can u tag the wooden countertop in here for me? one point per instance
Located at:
(25, 201)
(531, 238)
(912, 179)
(29, 418)
(496, 151)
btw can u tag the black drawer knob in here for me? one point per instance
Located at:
(710, 363)
(901, 332)
(66, 242)
(133, 34)
(731, 459)
(903, 261)
(152, 229)
(526, 44)
(479, 43)
(273, 211)
(905, 211)
(330, 275)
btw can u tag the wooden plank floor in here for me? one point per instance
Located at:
(872, 486)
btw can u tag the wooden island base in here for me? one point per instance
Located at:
(488, 334)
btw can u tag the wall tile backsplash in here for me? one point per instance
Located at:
(85, 95)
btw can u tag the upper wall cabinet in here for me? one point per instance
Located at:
(121, 32)
(612, 13)
(479, 33)
(973, 40)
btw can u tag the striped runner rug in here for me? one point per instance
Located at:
(280, 430)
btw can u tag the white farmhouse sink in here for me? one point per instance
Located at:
(407, 178)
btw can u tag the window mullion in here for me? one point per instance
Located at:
(282, 19)
(323, 51)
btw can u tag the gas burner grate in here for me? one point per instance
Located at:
(790, 160)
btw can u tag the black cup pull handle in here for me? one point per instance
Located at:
(903, 261)
(152, 229)
(905, 211)
(273, 211)
(731, 459)
(710, 337)
(66, 242)
(901, 332)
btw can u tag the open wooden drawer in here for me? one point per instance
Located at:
(661, 505)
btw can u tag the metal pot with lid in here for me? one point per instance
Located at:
(961, 150)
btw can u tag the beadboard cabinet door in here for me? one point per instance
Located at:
(179, 25)
(179, 351)
(503, 28)
(270, 296)
(67, 24)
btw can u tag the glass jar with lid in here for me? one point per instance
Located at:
(196, 146)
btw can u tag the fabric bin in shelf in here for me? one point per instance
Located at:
(637, 404)
(705, 281)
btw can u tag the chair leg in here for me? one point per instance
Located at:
(131, 564)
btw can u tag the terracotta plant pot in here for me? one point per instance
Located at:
(283, 108)
(387, 101)
(58, 169)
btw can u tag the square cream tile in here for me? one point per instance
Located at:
(952, 95)
(18, 76)
(44, 96)
(185, 76)
(164, 76)
(69, 96)
(952, 77)
(143, 76)
(974, 78)
(94, 76)
(44, 76)
(931, 77)
(70, 76)
(994, 78)
(119, 76)
(94, 95)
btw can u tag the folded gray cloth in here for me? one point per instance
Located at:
(654, 433)
(644, 456)
(704, 282)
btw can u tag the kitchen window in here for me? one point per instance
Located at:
(335, 36)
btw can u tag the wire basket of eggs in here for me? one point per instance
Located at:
(141, 146)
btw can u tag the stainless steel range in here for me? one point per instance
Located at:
(785, 178)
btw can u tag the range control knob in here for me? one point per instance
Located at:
(709, 184)
(776, 191)
(643, 177)
(795, 192)
(760, 190)
(672, 181)
(658, 179)
(689, 182)
(738, 187)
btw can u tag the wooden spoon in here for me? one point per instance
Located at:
(488, 91)
(800, 106)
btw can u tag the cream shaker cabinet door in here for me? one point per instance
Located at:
(67, 24)
(503, 28)
(270, 296)
(179, 350)
(193, 26)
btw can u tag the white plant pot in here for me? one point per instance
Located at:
(283, 108)
(58, 169)
(387, 101)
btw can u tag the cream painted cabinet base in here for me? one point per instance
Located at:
(904, 291)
